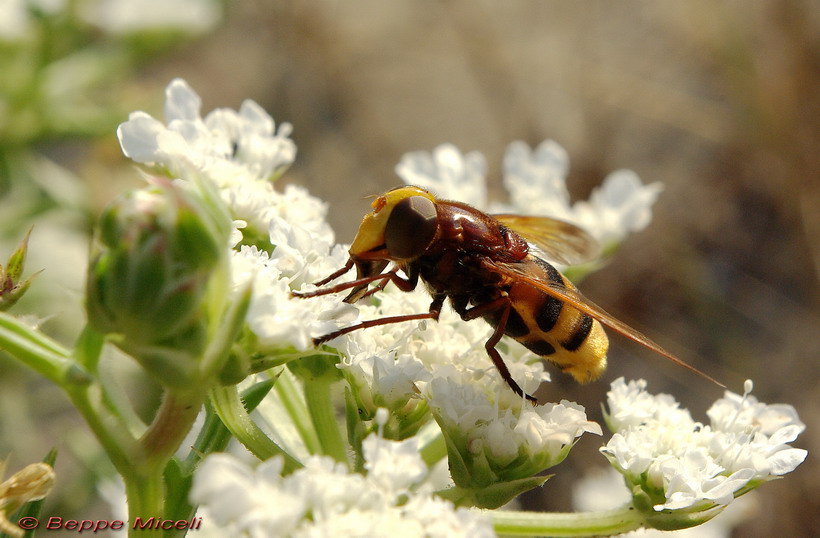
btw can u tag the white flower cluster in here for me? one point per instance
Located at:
(228, 146)
(324, 499)
(114, 16)
(507, 432)
(694, 465)
(239, 152)
(396, 361)
(536, 182)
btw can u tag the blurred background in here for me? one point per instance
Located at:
(718, 101)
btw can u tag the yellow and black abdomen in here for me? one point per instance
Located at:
(572, 340)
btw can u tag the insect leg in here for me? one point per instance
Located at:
(433, 313)
(343, 286)
(502, 303)
(381, 285)
(336, 274)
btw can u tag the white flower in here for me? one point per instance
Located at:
(391, 363)
(661, 449)
(382, 380)
(278, 320)
(273, 215)
(621, 205)
(14, 20)
(447, 173)
(736, 413)
(751, 434)
(394, 466)
(604, 489)
(227, 146)
(300, 241)
(130, 16)
(630, 405)
(323, 498)
(694, 477)
(552, 427)
(536, 182)
(252, 501)
(507, 431)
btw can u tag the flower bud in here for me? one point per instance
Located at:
(155, 253)
(32, 483)
(11, 287)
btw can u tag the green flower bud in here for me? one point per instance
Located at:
(155, 253)
(11, 287)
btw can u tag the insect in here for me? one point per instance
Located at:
(489, 266)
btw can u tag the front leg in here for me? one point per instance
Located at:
(404, 284)
(360, 285)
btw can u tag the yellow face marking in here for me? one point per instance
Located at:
(371, 231)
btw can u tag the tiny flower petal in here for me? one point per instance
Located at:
(227, 146)
(447, 173)
(536, 179)
(622, 205)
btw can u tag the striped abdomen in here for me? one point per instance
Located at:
(572, 340)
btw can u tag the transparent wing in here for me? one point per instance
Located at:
(575, 299)
(560, 241)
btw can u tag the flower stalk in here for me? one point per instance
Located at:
(604, 523)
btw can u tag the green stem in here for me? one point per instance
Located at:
(52, 361)
(616, 521)
(229, 407)
(291, 398)
(39, 352)
(111, 432)
(145, 491)
(173, 421)
(434, 450)
(323, 413)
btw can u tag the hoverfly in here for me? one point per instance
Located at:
(490, 267)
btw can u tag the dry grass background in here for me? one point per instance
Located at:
(717, 100)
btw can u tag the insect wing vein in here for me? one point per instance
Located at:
(560, 241)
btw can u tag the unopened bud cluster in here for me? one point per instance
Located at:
(148, 277)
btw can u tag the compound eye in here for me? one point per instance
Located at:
(411, 227)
